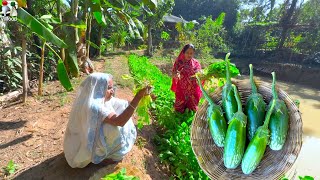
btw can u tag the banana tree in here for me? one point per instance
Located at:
(153, 18)
(47, 35)
(103, 10)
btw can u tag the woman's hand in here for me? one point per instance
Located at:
(144, 92)
(177, 75)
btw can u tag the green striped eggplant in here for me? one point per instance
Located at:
(229, 102)
(257, 146)
(255, 108)
(279, 121)
(216, 121)
(236, 137)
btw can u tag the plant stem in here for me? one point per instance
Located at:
(205, 94)
(41, 68)
(274, 90)
(236, 95)
(53, 51)
(253, 85)
(267, 119)
(227, 68)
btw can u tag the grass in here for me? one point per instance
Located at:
(64, 99)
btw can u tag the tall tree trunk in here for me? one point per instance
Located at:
(62, 50)
(41, 69)
(24, 68)
(88, 35)
(75, 5)
(287, 22)
(149, 40)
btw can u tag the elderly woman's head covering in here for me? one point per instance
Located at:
(85, 122)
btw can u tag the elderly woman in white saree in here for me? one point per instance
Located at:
(100, 126)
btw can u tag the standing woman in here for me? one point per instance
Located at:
(185, 86)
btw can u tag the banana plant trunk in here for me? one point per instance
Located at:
(24, 68)
(41, 69)
(149, 40)
(88, 35)
(75, 5)
(62, 50)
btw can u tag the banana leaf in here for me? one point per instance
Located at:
(63, 76)
(40, 29)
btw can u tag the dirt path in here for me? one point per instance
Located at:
(32, 135)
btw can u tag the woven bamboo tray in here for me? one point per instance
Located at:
(274, 164)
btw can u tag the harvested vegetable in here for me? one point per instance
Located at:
(229, 102)
(255, 108)
(217, 123)
(145, 103)
(236, 136)
(279, 122)
(257, 145)
(218, 70)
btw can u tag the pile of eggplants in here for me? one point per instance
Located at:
(259, 124)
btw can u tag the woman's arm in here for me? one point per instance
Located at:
(123, 118)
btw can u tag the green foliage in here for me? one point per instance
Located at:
(63, 76)
(165, 36)
(212, 34)
(118, 38)
(306, 178)
(271, 41)
(10, 168)
(154, 17)
(193, 10)
(119, 176)
(186, 31)
(37, 27)
(310, 15)
(301, 178)
(218, 70)
(10, 68)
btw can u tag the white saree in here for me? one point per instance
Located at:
(87, 138)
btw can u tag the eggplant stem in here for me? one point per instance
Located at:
(205, 94)
(253, 85)
(274, 90)
(228, 68)
(267, 119)
(236, 95)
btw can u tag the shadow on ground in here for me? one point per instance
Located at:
(57, 168)
(11, 125)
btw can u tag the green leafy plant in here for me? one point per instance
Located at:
(144, 104)
(10, 73)
(301, 178)
(10, 168)
(165, 36)
(211, 34)
(121, 175)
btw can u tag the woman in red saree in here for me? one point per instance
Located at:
(185, 86)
